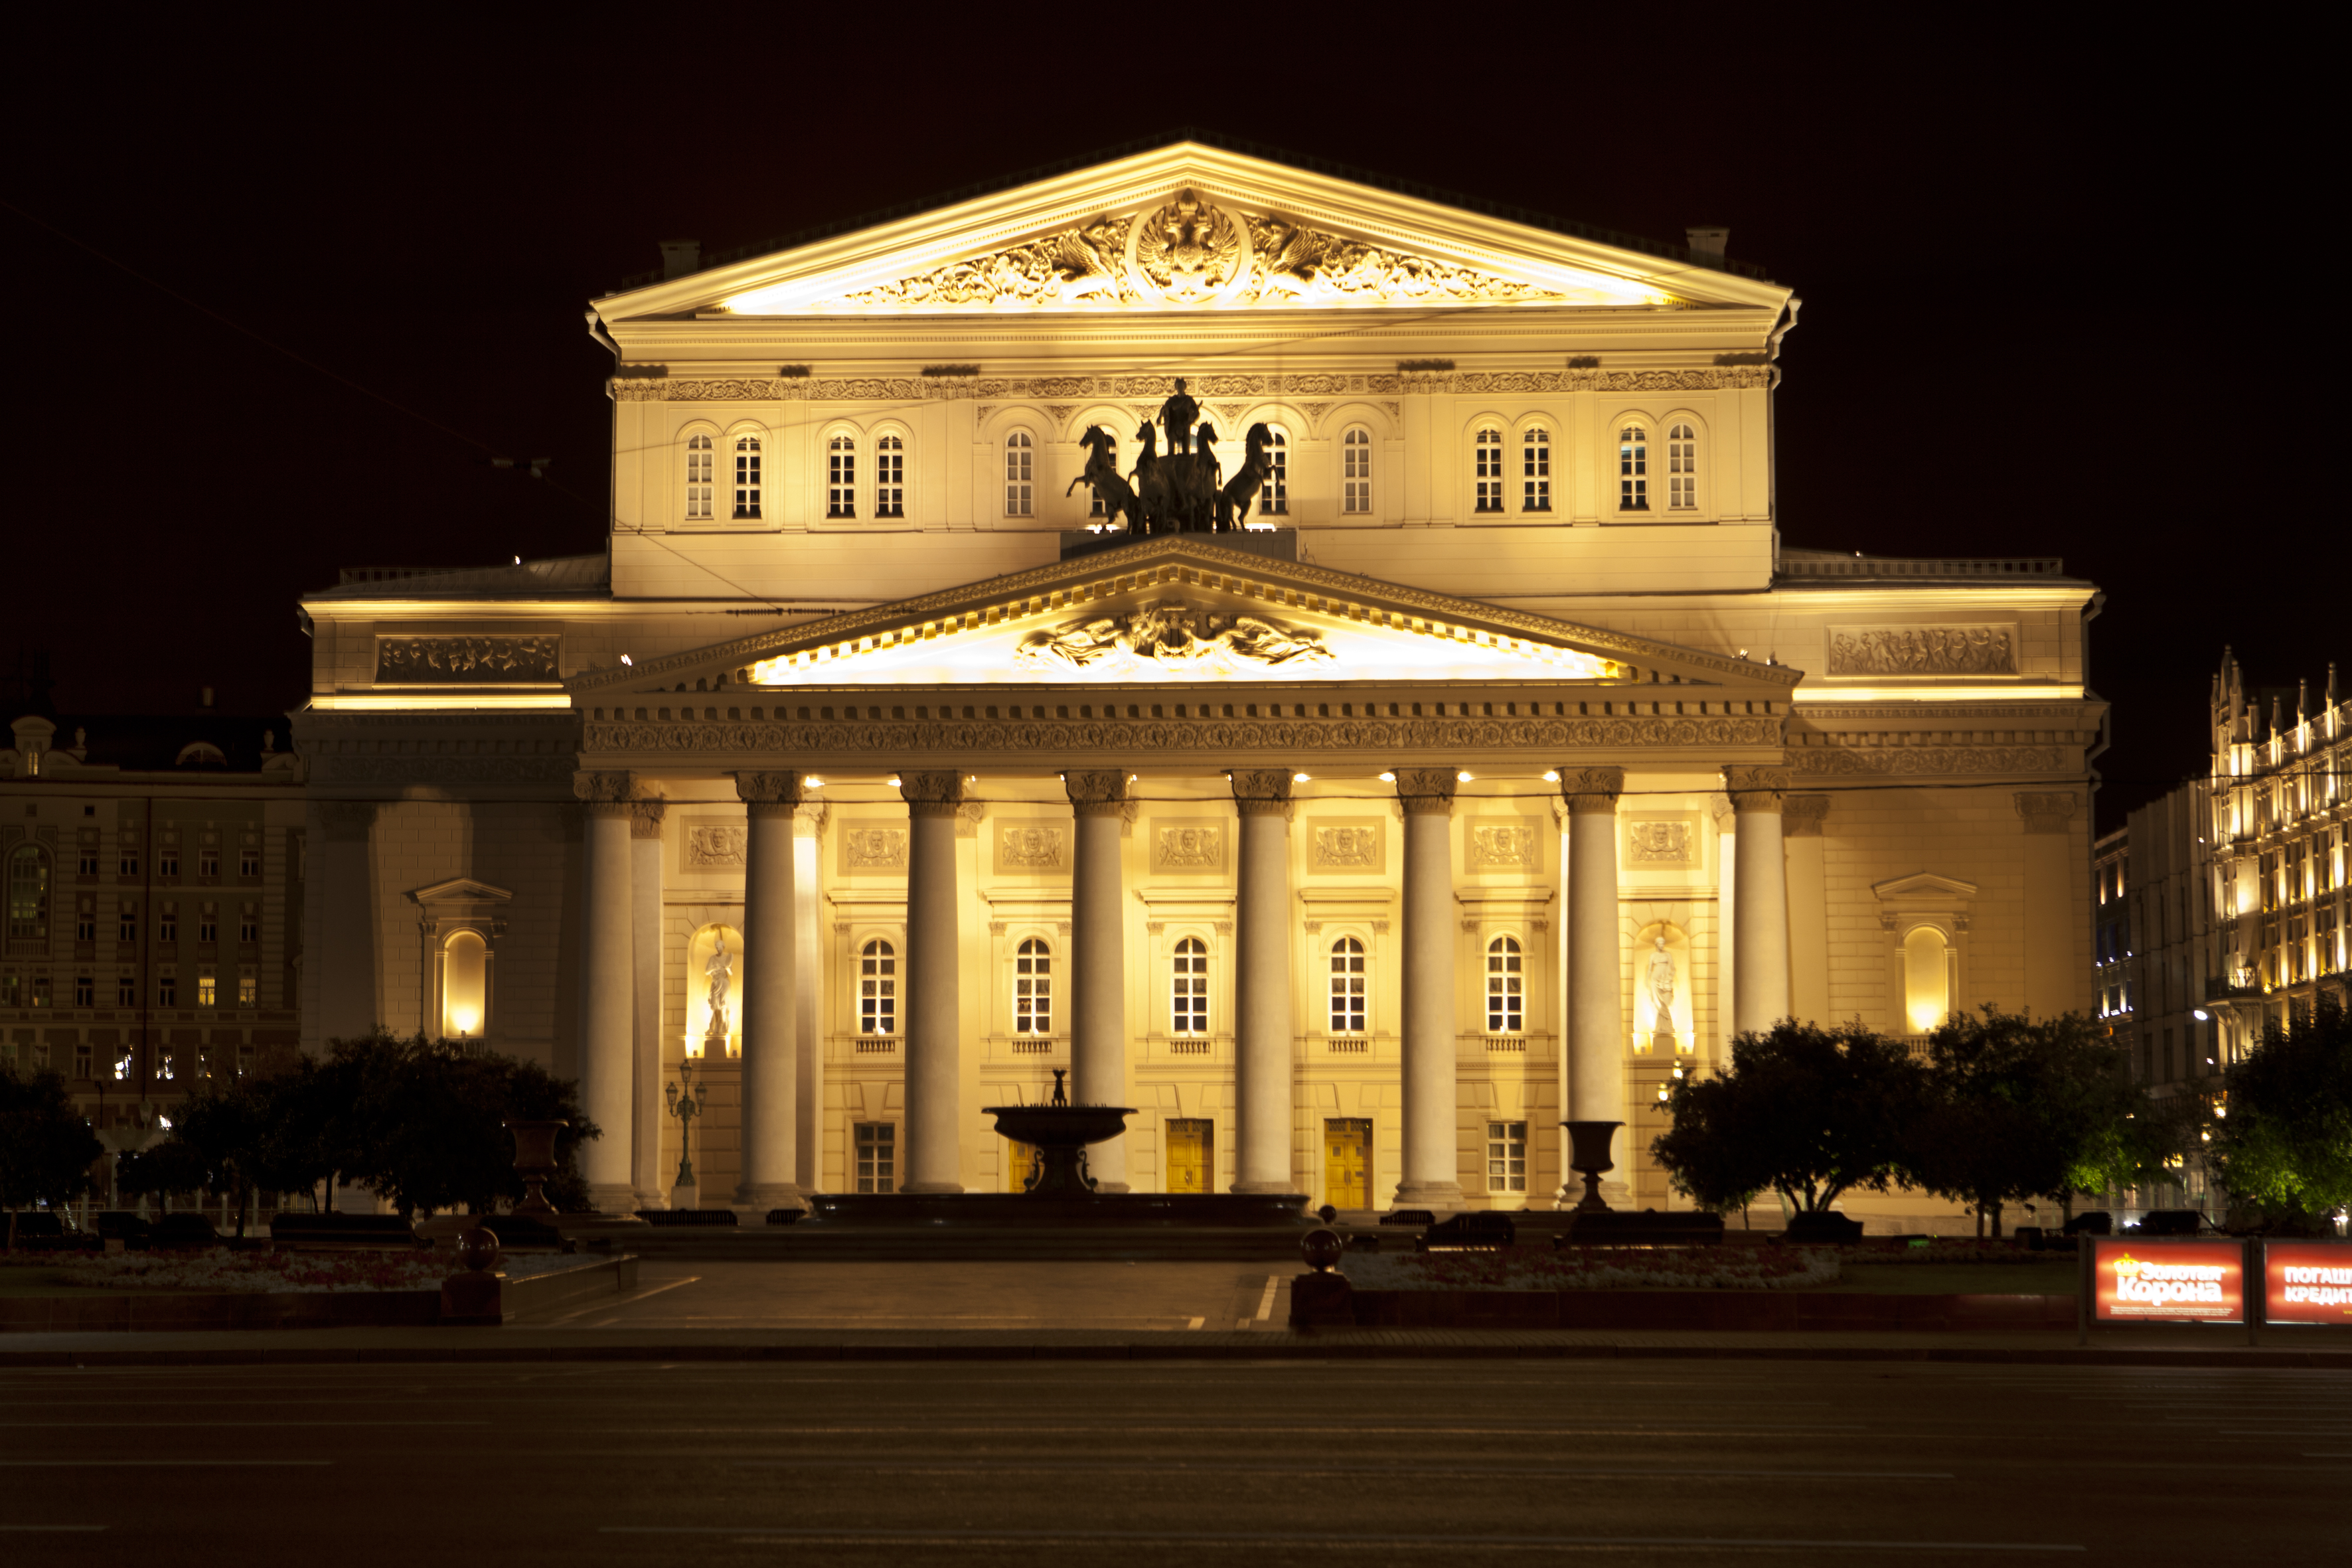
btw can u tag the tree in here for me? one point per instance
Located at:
(2019, 1110)
(171, 1168)
(46, 1146)
(2282, 1136)
(1813, 1113)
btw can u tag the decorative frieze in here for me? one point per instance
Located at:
(1027, 846)
(1500, 845)
(873, 851)
(1350, 845)
(1971, 649)
(1652, 842)
(1046, 389)
(1816, 761)
(707, 845)
(423, 661)
(1197, 847)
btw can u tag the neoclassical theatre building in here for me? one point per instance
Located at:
(1493, 765)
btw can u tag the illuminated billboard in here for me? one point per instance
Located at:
(2139, 1281)
(2306, 1282)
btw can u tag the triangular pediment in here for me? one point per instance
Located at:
(1181, 608)
(460, 891)
(1923, 887)
(1186, 226)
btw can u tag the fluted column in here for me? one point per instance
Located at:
(647, 1105)
(1759, 908)
(1596, 963)
(808, 839)
(607, 1026)
(1431, 1175)
(934, 1154)
(1261, 1003)
(1098, 962)
(338, 974)
(768, 1173)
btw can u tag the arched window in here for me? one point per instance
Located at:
(465, 984)
(1490, 471)
(1188, 995)
(1534, 469)
(1020, 470)
(889, 477)
(1682, 468)
(1355, 470)
(1274, 500)
(1926, 980)
(747, 476)
(877, 989)
(841, 476)
(1346, 986)
(28, 894)
(1033, 988)
(698, 476)
(1632, 468)
(1506, 1001)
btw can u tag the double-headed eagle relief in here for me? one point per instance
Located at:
(1189, 252)
(1170, 638)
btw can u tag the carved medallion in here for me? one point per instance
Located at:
(1189, 250)
(878, 849)
(1347, 846)
(1187, 846)
(1660, 843)
(1032, 846)
(712, 847)
(1501, 847)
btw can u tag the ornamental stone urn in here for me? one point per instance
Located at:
(535, 1160)
(1588, 1156)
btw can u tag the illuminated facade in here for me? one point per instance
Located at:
(1499, 768)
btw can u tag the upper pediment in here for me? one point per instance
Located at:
(1182, 609)
(1189, 226)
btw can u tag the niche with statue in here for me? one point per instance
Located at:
(714, 1008)
(1661, 990)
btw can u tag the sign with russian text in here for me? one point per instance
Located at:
(2167, 1281)
(2306, 1282)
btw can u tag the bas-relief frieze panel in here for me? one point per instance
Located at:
(1822, 761)
(1188, 846)
(1348, 845)
(903, 389)
(1657, 843)
(1489, 845)
(873, 851)
(411, 661)
(1170, 635)
(1972, 650)
(707, 846)
(1032, 846)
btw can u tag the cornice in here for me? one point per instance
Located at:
(1819, 761)
(1336, 384)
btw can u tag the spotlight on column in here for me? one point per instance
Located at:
(894, 781)
(1388, 778)
(627, 659)
(1462, 778)
(1299, 778)
(2200, 1014)
(1551, 775)
(812, 784)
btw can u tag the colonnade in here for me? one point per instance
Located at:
(932, 1157)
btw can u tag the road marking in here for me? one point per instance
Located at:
(961, 1465)
(645, 1295)
(1266, 1302)
(758, 1535)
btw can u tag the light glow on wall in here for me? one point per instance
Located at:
(465, 984)
(1926, 980)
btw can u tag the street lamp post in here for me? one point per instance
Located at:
(686, 1107)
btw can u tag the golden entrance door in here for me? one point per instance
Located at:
(1347, 1161)
(1021, 1165)
(1192, 1155)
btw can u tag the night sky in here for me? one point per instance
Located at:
(2055, 282)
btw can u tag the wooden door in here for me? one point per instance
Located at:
(1192, 1155)
(1021, 1165)
(1347, 1161)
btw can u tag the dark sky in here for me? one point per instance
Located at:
(2053, 280)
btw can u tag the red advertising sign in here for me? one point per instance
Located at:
(2306, 1282)
(2167, 1281)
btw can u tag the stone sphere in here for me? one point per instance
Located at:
(1322, 1249)
(478, 1248)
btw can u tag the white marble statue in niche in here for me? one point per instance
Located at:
(721, 973)
(1658, 981)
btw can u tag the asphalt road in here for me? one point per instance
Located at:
(1146, 1464)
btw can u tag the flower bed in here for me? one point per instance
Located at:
(1953, 1249)
(1595, 1268)
(215, 1268)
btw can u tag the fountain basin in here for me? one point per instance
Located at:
(1060, 1133)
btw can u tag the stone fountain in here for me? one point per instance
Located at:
(1060, 1133)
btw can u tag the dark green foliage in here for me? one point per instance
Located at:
(1811, 1112)
(46, 1146)
(2286, 1141)
(171, 1168)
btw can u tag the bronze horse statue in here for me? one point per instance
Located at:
(1179, 492)
(1111, 493)
(1233, 501)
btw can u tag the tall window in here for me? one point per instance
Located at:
(1633, 470)
(207, 988)
(28, 894)
(85, 991)
(1188, 995)
(1506, 1156)
(1346, 986)
(1355, 470)
(248, 923)
(126, 922)
(1490, 471)
(1273, 500)
(126, 991)
(698, 476)
(877, 989)
(167, 923)
(747, 476)
(1033, 988)
(1020, 470)
(249, 862)
(877, 1156)
(208, 863)
(86, 920)
(1534, 469)
(1682, 468)
(841, 476)
(248, 988)
(1505, 1002)
(890, 476)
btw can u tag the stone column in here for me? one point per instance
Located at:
(1596, 963)
(770, 1172)
(808, 845)
(647, 1105)
(607, 1023)
(2057, 963)
(1727, 900)
(1809, 907)
(1759, 910)
(1262, 1001)
(1098, 962)
(1431, 1175)
(338, 964)
(934, 1154)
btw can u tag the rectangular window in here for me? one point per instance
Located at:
(1489, 462)
(1273, 500)
(207, 989)
(167, 923)
(82, 1062)
(85, 991)
(877, 1156)
(840, 477)
(1506, 1156)
(1019, 470)
(41, 991)
(126, 924)
(208, 923)
(1188, 1004)
(1535, 470)
(248, 924)
(208, 864)
(878, 990)
(248, 989)
(126, 863)
(167, 862)
(126, 991)
(126, 1063)
(167, 991)
(1348, 986)
(87, 865)
(1032, 989)
(747, 477)
(10, 997)
(86, 922)
(248, 863)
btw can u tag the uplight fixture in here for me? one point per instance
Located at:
(1462, 778)
(627, 659)
(2200, 1014)
(812, 784)
(1551, 775)
(1388, 778)
(894, 781)
(1299, 778)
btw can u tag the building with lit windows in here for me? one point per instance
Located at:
(1501, 764)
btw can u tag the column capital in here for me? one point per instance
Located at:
(1097, 792)
(1426, 791)
(1592, 790)
(931, 793)
(1261, 792)
(2046, 812)
(605, 793)
(1755, 789)
(772, 794)
(646, 818)
(1802, 815)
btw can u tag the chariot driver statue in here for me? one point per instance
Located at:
(1178, 415)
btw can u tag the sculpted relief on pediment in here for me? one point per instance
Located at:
(1170, 638)
(1188, 251)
